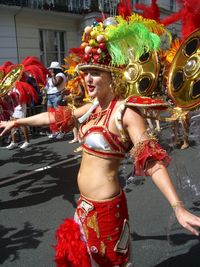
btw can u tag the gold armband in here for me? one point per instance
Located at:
(177, 204)
(146, 151)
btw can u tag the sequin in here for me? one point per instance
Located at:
(94, 249)
(93, 223)
(102, 248)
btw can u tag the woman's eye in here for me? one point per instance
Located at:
(94, 73)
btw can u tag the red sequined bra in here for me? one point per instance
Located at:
(98, 140)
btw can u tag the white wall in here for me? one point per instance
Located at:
(30, 22)
(8, 48)
(16, 45)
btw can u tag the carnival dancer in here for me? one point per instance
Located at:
(16, 92)
(99, 233)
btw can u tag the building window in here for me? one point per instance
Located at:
(171, 5)
(52, 46)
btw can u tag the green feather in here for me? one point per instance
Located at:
(123, 37)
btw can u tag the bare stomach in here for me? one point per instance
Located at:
(97, 178)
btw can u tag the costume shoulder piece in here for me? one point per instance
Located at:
(138, 102)
(146, 102)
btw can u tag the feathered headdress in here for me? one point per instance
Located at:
(75, 84)
(107, 45)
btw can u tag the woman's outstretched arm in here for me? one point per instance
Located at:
(136, 128)
(41, 119)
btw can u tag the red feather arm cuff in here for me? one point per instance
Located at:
(61, 119)
(145, 152)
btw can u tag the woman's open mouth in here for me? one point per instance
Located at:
(90, 88)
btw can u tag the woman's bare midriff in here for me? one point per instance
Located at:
(98, 177)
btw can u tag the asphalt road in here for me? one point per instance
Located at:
(38, 190)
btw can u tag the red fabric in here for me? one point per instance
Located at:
(105, 230)
(70, 249)
(148, 150)
(53, 125)
(61, 119)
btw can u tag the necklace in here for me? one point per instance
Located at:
(106, 112)
(98, 116)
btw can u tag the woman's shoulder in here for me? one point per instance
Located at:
(127, 108)
(61, 74)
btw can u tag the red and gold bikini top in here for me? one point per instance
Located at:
(98, 140)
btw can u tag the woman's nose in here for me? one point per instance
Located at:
(88, 77)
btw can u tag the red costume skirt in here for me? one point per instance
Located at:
(106, 229)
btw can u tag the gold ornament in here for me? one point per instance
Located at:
(142, 75)
(9, 80)
(184, 77)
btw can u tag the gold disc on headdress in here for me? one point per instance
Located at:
(8, 81)
(142, 75)
(184, 75)
(1, 74)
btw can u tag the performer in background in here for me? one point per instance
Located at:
(18, 84)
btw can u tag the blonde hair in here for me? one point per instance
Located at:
(119, 83)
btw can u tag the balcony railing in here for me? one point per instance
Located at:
(73, 7)
(51, 7)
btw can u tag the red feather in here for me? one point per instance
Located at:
(33, 66)
(188, 15)
(150, 12)
(172, 18)
(6, 67)
(27, 93)
(124, 8)
(78, 52)
(70, 249)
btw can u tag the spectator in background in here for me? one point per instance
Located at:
(55, 87)
(31, 80)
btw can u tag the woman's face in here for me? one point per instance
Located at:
(98, 82)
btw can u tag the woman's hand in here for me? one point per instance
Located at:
(51, 73)
(188, 220)
(7, 125)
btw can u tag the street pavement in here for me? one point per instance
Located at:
(38, 190)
